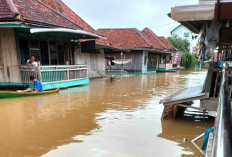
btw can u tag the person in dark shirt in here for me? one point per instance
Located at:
(38, 87)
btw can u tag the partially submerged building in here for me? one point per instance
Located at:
(87, 52)
(53, 33)
(164, 57)
(52, 48)
(144, 48)
(212, 20)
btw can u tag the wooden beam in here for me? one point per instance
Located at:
(188, 106)
(216, 13)
(224, 11)
(193, 12)
(188, 100)
(191, 27)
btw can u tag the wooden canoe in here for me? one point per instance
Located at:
(10, 94)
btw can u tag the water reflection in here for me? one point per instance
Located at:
(180, 128)
(119, 118)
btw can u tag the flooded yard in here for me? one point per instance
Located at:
(103, 119)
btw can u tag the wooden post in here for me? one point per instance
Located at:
(87, 72)
(209, 77)
(67, 73)
(49, 55)
(39, 72)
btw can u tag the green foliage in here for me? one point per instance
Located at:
(189, 60)
(195, 60)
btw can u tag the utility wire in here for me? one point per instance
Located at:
(163, 25)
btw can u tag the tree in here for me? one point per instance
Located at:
(188, 60)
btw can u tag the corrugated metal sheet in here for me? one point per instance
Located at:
(185, 95)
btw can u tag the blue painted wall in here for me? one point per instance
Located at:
(66, 84)
(63, 84)
(54, 85)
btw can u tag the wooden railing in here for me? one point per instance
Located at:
(50, 74)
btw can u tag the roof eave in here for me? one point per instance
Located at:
(193, 13)
(68, 32)
(42, 24)
(149, 50)
(193, 16)
(111, 48)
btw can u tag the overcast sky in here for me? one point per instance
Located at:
(128, 13)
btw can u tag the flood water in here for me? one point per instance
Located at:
(102, 119)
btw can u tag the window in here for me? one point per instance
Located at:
(53, 53)
(48, 53)
(57, 56)
(35, 49)
(186, 34)
(24, 50)
(60, 50)
(44, 53)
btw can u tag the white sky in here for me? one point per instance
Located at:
(128, 13)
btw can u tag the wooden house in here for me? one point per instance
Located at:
(145, 49)
(54, 34)
(88, 52)
(165, 53)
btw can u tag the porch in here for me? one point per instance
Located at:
(165, 63)
(54, 51)
(56, 76)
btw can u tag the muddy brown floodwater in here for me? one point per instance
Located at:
(103, 119)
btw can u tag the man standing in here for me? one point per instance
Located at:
(31, 61)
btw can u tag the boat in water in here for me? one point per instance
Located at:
(12, 94)
(165, 70)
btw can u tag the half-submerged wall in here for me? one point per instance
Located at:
(136, 65)
(94, 61)
(9, 57)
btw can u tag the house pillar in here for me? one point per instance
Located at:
(101, 61)
(145, 61)
(79, 58)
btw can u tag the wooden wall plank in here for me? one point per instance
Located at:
(10, 57)
(135, 65)
(95, 62)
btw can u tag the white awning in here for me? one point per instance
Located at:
(79, 34)
(122, 61)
